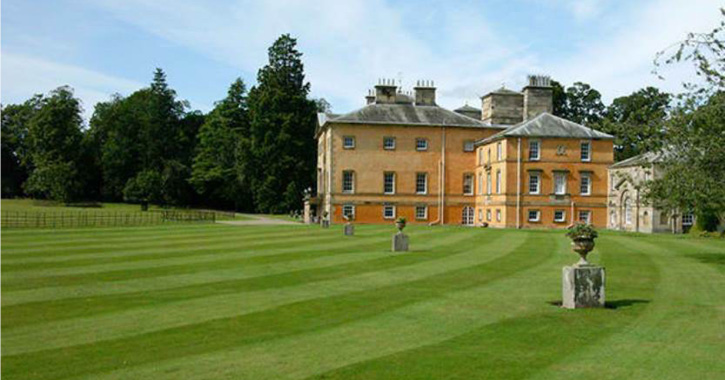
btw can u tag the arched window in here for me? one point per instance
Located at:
(627, 211)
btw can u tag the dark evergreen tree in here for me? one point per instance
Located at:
(214, 173)
(277, 160)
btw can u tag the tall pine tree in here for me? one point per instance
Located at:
(277, 160)
(214, 173)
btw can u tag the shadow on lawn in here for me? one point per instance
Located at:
(616, 304)
(715, 259)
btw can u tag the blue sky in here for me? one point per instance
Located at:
(100, 47)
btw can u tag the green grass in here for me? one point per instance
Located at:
(295, 302)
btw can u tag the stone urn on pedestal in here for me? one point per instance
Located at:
(582, 283)
(325, 222)
(400, 240)
(348, 229)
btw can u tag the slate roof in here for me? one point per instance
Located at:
(405, 114)
(467, 108)
(504, 91)
(548, 125)
(640, 160)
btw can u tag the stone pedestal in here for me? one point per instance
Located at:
(325, 224)
(400, 242)
(349, 230)
(582, 286)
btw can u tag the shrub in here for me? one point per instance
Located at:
(582, 231)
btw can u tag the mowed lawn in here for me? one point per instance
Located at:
(294, 302)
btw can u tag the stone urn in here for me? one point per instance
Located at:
(400, 224)
(582, 246)
(582, 240)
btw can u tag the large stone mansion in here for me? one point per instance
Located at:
(510, 164)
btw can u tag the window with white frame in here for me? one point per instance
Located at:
(534, 215)
(389, 183)
(488, 183)
(480, 156)
(534, 150)
(559, 183)
(498, 182)
(498, 215)
(348, 142)
(421, 144)
(421, 212)
(559, 216)
(688, 219)
(421, 183)
(499, 152)
(348, 181)
(585, 186)
(348, 211)
(480, 215)
(585, 216)
(467, 216)
(586, 150)
(468, 184)
(534, 183)
(480, 183)
(389, 143)
(388, 211)
(468, 146)
(488, 215)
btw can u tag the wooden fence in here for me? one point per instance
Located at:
(72, 219)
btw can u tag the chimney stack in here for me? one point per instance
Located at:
(385, 91)
(370, 97)
(425, 93)
(538, 96)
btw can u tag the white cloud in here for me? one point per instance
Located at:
(23, 76)
(347, 45)
(622, 62)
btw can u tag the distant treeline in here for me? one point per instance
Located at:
(254, 151)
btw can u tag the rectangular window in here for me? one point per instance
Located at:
(534, 150)
(468, 184)
(560, 216)
(389, 183)
(421, 144)
(498, 182)
(586, 151)
(498, 215)
(488, 183)
(389, 212)
(480, 215)
(559, 183)
(389, 143)
(586, 184)
(348, 142)
(488, 215)
(348, 211)
(421, 183)
(688, 219)
(468, 146)
(534, 184)
(480, 156)
(489, 156)
(480, 183)
(421, 212)
(585, 216)
(534, 215)
(348, 181)
(499, 152)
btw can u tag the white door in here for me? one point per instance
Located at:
(468, 215)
